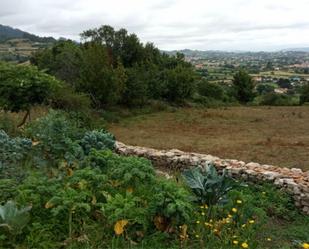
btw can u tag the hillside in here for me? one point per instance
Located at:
(17, 45)
(7, 33)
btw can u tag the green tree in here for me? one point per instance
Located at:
(180, 84)
(304, 94)
(62, 60)
(22, 87)
(211, 90)
(265, 88)
(243, 86)
(104, 84)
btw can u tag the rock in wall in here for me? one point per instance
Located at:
(294, 181)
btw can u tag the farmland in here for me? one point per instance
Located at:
(272, 135)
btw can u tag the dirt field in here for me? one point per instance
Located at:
(270, 135)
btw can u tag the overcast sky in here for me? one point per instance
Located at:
(171, 24)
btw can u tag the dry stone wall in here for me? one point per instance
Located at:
(294, 181)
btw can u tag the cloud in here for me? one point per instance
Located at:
(170, 24)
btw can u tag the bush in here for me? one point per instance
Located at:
(211, 90)
(57, 139)
(66, 99)
(13, 153)
(275, 99)
(99, 140)
(304, 96)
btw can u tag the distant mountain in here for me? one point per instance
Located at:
(7, 33)
(306, 49)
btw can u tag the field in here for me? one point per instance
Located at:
(268, 135)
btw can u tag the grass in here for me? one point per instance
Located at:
(268, 135)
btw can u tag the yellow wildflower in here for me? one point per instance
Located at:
(243, 225)
(119, 226)
(268, 239)
(202, 207)
(244, 245)
(235, 242)
(251, 221)
(234, 210)
(197, 236)
(305, 245)
(197, 222)
(203, 214)
(230, 216)
(239, 201)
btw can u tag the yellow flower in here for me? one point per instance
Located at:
(239, 201)
(119, 226)
(268, 239)
(234, 210)
(251, 221)
(244, 245)
(230, 216)
(235, 236)
(203, 214)
(235, 242)
(305, 245)
(197, 236)
(206, 206)
(197, 222)
(243, 225)
(202, 207)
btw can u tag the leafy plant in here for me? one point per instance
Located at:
(12, 218)
(13, 152)
(57, 139)
(99, 140)
(209, 187)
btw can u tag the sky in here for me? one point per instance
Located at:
(253, 25)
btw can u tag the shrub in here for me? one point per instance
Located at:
(99, 140)
(304, 96)
(66, 99)
(13, 153)
(275, 99)
(211, 90)
(57, 138)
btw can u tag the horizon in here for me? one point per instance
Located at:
(259, 26)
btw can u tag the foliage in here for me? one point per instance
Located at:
(63, 61)
(65, 98)
(275, 99)
(304, 97)
(12, 218)
(209, 187)
(23, 86)
(265, 88)
(57, 138)
(244, 86)
(99, 140)
(211, 90)
(180, 84)
(13, 153)
(113, 67)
